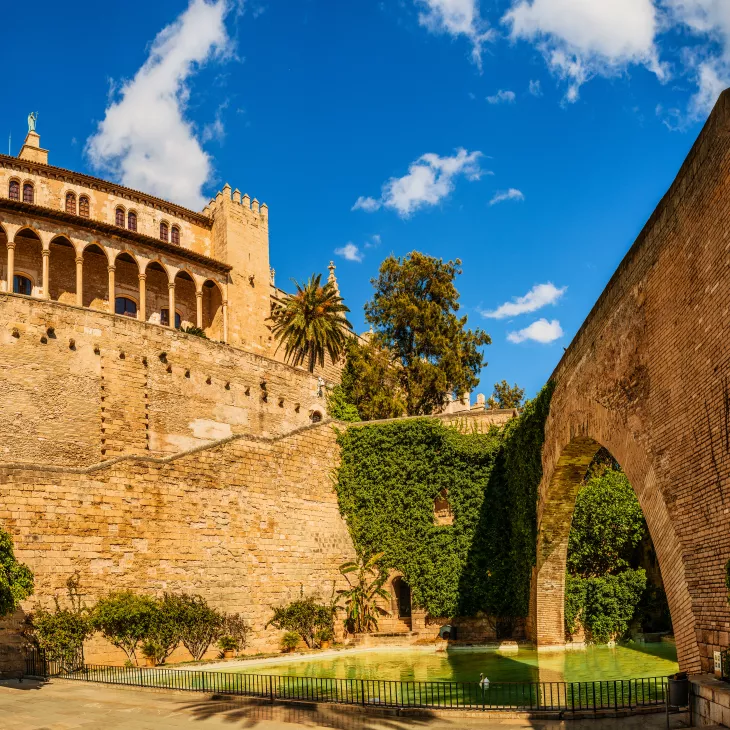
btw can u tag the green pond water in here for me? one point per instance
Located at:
(525, 665)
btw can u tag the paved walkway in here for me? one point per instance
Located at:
(68, 705)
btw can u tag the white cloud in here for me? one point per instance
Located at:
(511, 194)
(538, 297)
(457, 18)
(712, 78)
(350, 252)
(583, 38)
(540, 331)
(429, 180)
(535, 88)
(369, 205)
(374, 241)
(501, 96)
(145, 141)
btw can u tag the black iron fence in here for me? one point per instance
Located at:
(516, 696)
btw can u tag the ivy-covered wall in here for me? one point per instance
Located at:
(389, 477)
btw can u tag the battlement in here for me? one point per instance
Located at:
(235, 197)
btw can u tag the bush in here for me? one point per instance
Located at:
(338, 407)
(193, 330)
(289, 641)
(304, 617)
(235, 626)
(327, 634)
(198, 624)
(607, 526)
(16, 579)
(227, 643)
(604, 606)
(125, 619)
(60, 634)
(164, 633)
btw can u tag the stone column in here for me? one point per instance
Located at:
(142, 311)
(225, 321)
(79, 281)
(11, 265)
(199, 312)
(171, 305)
(112, 288)
(46, 259)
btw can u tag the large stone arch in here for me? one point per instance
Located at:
(574, 433)
(648, 376)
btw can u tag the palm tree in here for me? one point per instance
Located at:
(310, 323)
(360, 597)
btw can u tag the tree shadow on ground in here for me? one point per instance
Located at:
(247, 713)
(25, 684)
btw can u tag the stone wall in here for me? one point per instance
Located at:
(248, 523)
(80, 386)
(646, 376)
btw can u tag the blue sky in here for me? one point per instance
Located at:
(529, 138)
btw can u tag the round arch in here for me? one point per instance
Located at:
(186, 290)
(212, 306)
(572, 439)
(95, 292)
(62, 270)
(28, 258)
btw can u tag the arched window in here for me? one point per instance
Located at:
(14, 190)
(165, 318)
(119, 219)
(132, 220)
(176, 235)
(125, 306)
(28, 193)
(22, 285)
(84, 206)
(316, 417)
(71, 203)
(164, 232)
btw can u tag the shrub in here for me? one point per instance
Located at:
(16, 579)
(198, 624)
(603, 605)
(227, 643)
(193, 330)
(290, 641)
(607, 526)
(125, 619)
(60, 634)
(304, 617)
(235, 626)
(338, 407)
(164, 633)
(326, 634)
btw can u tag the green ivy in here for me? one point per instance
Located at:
(389, 476)
(605, 605)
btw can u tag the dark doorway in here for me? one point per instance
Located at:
(402, 597)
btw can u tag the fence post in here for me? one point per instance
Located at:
(362, 691)
(271, 689)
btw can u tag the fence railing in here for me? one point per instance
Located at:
(516, 696)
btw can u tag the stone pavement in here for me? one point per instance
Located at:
(61, 705)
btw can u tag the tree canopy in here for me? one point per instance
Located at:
(311, 323)
(608, 524)
(506, 396)
(420, 352)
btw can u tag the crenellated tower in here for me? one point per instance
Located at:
(240, 237)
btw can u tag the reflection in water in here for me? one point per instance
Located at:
(459, 665)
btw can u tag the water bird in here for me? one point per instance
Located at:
(483, 681)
